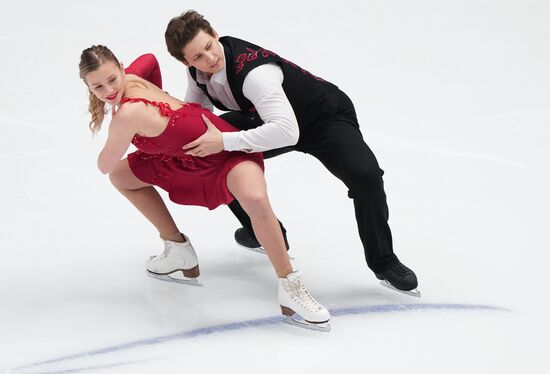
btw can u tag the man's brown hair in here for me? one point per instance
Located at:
(182, 29)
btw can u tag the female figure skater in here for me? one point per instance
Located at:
(158, 125)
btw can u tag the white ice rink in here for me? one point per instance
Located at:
(452, 96)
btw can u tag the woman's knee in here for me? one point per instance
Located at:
(122, 177)
(255, 202)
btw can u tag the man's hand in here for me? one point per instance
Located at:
(208, 143)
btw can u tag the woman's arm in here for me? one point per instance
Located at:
(146, 67)
(121, 133)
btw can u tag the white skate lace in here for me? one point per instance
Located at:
(164, 253)
(301, 296)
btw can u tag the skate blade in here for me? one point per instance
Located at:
(168, 278)
(322, 327)
(260, 250)
(414, 292)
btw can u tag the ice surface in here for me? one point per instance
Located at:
(453, 97)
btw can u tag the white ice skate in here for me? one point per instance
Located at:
(299, 307)
(175, 257)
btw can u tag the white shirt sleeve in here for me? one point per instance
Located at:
(263, 87)
(195, 95)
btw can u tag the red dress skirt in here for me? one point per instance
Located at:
(189, 180)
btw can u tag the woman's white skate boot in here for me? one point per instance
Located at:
(299, 307)
(175, 257)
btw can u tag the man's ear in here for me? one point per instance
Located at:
(186, 63)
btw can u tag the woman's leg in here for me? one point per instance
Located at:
(146, 199)
(246, 182)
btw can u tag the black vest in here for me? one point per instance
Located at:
(313, 99)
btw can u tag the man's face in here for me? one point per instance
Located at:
(204, 53)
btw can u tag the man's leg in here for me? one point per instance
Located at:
(339, 145)
(245, 235)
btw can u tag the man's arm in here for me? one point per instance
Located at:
(195, 95)
(263, 87)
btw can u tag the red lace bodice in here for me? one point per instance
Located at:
(164, 108)
(161, 160)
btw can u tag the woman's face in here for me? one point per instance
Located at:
(108, 82)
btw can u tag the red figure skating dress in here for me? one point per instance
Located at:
(162, 162)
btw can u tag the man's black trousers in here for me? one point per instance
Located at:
(338, 144)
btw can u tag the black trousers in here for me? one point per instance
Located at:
(338, 144)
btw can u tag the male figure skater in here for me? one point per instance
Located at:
(280, 107)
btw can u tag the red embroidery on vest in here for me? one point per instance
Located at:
(252, 55)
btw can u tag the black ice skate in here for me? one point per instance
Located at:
(246, 239)
(400, 278)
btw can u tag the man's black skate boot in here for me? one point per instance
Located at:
(399, 276)
(248, 240)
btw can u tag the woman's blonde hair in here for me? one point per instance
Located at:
(90, 60)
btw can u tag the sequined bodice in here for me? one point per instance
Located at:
(161, 161)
(185, 124)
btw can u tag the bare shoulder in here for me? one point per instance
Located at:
(136, 80)
(128, 117)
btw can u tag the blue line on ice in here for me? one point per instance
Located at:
(372, 309)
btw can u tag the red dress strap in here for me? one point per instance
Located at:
(164, 108)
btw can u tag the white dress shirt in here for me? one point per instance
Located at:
(263, 87)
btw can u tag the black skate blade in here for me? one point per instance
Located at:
(260, 250)
(322, 327)
(167, 278)
(414, 293)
